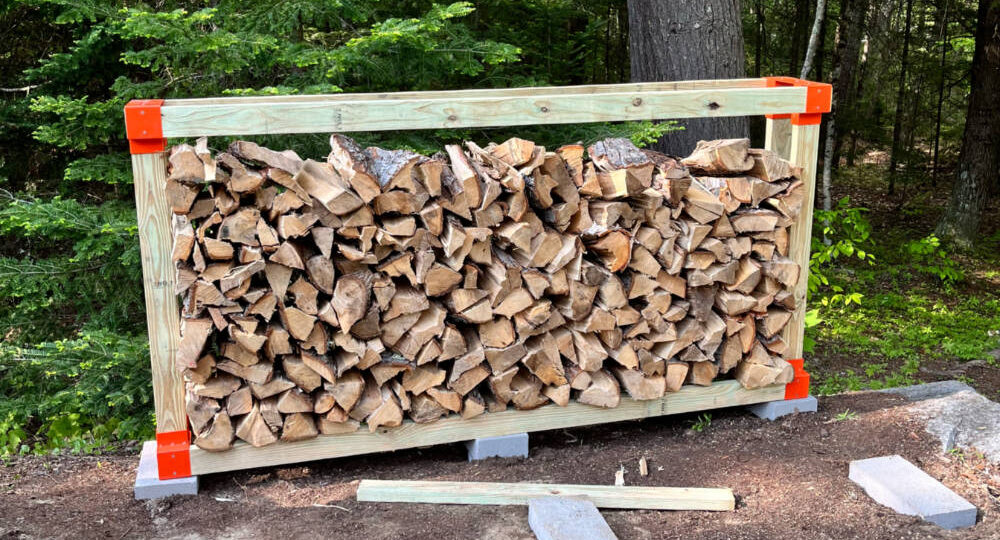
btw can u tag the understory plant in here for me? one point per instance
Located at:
(841, 238)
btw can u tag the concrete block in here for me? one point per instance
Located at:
(773, 410)
(894, 482)
(505, 446)
(562, 518)
(148, 484)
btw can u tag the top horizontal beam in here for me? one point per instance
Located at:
(477, 108)
(265, 115)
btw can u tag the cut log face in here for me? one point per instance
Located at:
(376, 285)
(253, 429)
(721, 157)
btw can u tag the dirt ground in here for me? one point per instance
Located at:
(789, 476)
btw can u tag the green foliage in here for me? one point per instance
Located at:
(927, 256)
(703, 422)
(848, 414)
(76, 394)
(841, 237)
(843, 232)
(104, 168)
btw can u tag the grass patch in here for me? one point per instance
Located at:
(920, 304)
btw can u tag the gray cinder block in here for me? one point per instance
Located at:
(504, 446)
(148, 484)
(894, 482)
(562, 518)
(773, 410)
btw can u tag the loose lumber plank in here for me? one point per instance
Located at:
(502, 493)
(454, 428)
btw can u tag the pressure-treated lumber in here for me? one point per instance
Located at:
(704, 84)
(455, 428)
(346, 113)
(778, 137)
(647, 498)
(163, 324)
(804, 152)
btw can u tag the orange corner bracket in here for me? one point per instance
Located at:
(144, 126)
(799, 387)
(173, 454)
(819, 98)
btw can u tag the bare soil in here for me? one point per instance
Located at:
(789, 476)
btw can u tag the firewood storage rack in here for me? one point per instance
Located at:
(793, 108)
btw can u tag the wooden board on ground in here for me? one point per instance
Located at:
(630, 497)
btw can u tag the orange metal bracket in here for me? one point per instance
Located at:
(819, 97)
(799, 387)
(144, 126)
(173, 456)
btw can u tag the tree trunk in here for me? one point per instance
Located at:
(979, 161)
(821, 50)
(622, 57)
(800, 29)
(943, 22)
(850, 29)
(852, 153)
(674, 40)
(813, 40)
(897, 125)
(758, 56)
(845, 61)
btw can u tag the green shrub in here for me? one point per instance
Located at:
(927, 256)
(840, 236)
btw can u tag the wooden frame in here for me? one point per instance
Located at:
(793, 108)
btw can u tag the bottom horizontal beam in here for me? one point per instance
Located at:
(455, 429)
(647, 498)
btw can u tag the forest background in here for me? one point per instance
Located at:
(891, 302)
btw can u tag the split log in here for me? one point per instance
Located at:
(725, 156)
(219, 435)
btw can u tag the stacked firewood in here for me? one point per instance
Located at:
(383, 284)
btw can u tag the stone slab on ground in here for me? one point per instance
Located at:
(505, 446)
(147, 481)
(957, 415)
(894, 482)
(563, 518)
(772, 410)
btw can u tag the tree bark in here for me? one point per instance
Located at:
(800, 29)
(943, 23)
(850, 29)
(758, 56)
(821, 50)
(845, 61)
(897, 125)
(813, 40)
(675, 40)
(979, 160)
(852, 153)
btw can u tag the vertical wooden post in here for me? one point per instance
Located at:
(778, 135)
(162, 319)
(804, 150)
